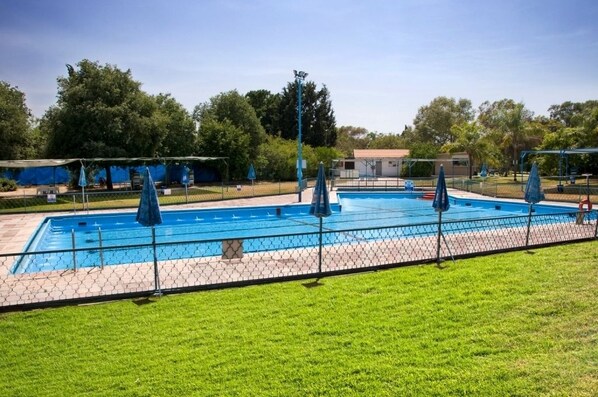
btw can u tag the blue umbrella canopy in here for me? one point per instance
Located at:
(251, 174)
(185, 177)
(82, 178)
(484, 171)
(320, 203)
(441, 198)
(148, 213)
(533, 190)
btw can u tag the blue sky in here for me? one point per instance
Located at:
(381, 60)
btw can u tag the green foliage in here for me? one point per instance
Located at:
(387, 141)
(317, 120)
(433, 122)
(513, 324)
(102, 112)
(7, 185)
(17, 139)
(508, 124)
(350, 138)
(266, 107)
(421, 169)
(572, 125)
(223, 139)
(180, 135)
(233, 108)
(278, 158)
(470, 139)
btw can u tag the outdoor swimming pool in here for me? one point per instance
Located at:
(93, 237)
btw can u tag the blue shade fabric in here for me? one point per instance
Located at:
(533, 189)
(320, 202)
(148, 213)
(251, 174)
(82, 178)
(441, 198)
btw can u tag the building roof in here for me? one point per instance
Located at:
(380, 153)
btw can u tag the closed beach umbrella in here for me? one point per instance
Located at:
(320, 205)
(148, 214)
(484, 171)
(441, 203)
(185, 181)
(251, 175)
(82, 183)
(533, 195)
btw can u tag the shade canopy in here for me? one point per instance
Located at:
(148, 213)
(533, 189)
(82, 178)
(441, 199)
(320, 202)
(251, 173)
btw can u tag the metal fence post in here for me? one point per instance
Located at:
(74, 253)
(101, 248)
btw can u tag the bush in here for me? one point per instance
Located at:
(7, 185)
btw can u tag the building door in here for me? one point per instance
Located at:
(378, 167)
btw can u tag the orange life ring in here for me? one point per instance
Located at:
(585, 202)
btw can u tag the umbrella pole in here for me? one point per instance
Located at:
(529, 222)
(447, 247)
(320, 253)
(158, 291)
(438, 238)
(186, 194)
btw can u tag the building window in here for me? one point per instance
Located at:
(349, 165)
(460, 161)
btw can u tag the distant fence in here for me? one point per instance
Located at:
(48, 199)
(572, 193)
(86, 275)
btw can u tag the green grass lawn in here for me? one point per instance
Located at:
(515, 324)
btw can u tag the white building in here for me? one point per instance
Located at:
(369, 163)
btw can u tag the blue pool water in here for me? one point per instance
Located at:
(354, 211)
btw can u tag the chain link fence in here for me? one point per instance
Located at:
(556, 191)
(39, 279)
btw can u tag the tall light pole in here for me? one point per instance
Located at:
(299, 78)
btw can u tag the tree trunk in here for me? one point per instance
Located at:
(514, 164)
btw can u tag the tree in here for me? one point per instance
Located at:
(387, 141)
(224, 139)
(317, 120)
(102, 112)
(232, 107)
(508, 122)
(572, 125)
(469, 139)
(349, 138)
(266, 106)
(421, 151)
(17, 140)
(433, 122)
(180, 136)
(571, 114)
(278, 159)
